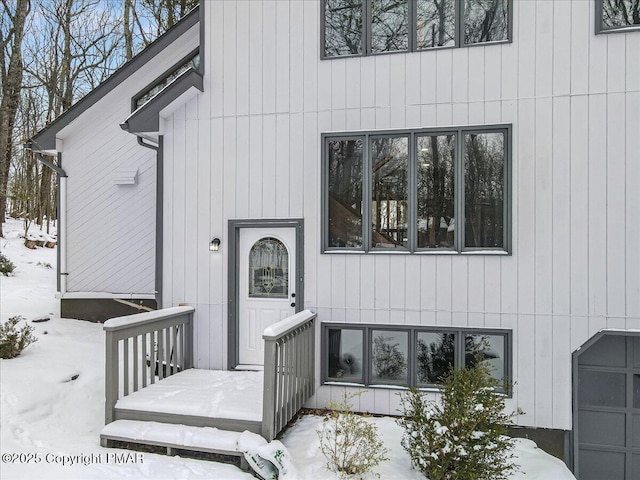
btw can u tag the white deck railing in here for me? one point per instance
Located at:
(142, 346)
(289, 367)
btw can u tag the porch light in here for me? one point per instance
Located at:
(214, 246)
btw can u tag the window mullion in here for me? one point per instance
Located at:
(459, 191)
(412, 26)
(459, 23)
(366, 26)
(412, 198)
(366, 193)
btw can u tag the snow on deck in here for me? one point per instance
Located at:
(205, 393)
(200, 438)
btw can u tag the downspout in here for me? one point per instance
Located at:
(159, 211)
(61, 205)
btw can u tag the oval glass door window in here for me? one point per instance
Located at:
(268, 269)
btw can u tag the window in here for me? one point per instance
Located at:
(617, 15)
(409, 356)
(368, 27)
(268, 269)
(190, 62)
(417, 191)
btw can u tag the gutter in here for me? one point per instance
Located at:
(61, 206)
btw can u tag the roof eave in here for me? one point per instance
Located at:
(45, 139)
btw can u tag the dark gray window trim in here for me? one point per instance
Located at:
(459, 249)
(601, 29)
(412, 330)
(412, 40)
(45, 139)
(232, 297)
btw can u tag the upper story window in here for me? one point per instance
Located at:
(617, 15)
(369, 27)
(190, 62)
(433, 190)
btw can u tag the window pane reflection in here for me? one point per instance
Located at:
(620, 13)
(389, 191)
(345, 355)
(485, 21)
(484, 189)
(486, 348)
(436, 191)
(389, 353)
(345, 193)
(436, 23)
(435, 354)
(389, 25)
(342, 27)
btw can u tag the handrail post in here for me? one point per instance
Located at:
(188, 331)
(111, 376)
(269, 394)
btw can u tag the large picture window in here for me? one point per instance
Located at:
(409, 356)
(369, 27)
(417, 191)
(617, 15)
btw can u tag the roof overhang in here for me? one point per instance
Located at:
(45, 140)
(146, 119)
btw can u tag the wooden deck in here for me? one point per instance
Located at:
(228, 400)
(150, 382)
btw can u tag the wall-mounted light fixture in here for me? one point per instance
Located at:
(214, 246)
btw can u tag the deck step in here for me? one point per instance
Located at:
(173, 436)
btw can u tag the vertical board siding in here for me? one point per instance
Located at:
(572, 99)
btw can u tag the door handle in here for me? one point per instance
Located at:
(293, 295)
(293, 304)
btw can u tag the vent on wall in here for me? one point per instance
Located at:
(126, 176)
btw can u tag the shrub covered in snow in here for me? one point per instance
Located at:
(6, 267)
(464, 436)
(12, 340)
(349, 442)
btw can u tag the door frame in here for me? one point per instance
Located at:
(233, 301)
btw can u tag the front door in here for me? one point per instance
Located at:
(266, 286)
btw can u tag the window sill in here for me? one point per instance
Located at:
(418, 252)
(628, 29)
(417, 50)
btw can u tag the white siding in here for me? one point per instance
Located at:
(110, 228)
(573, 99)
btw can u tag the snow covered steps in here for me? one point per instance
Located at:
(172, 436)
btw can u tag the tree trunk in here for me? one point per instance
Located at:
(128, 33)
(11, 86)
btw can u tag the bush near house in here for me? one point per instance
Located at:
(349, 442)
(12, 340)
(6, 266)
(464, 436)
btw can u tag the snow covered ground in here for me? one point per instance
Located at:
(50, 424)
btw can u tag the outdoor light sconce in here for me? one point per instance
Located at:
(214, 246)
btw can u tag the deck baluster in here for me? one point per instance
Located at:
(288, 370)
(158, 333)
(125, 348)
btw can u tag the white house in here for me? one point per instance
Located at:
(433, 178)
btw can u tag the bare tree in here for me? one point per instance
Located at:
(11, 77)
